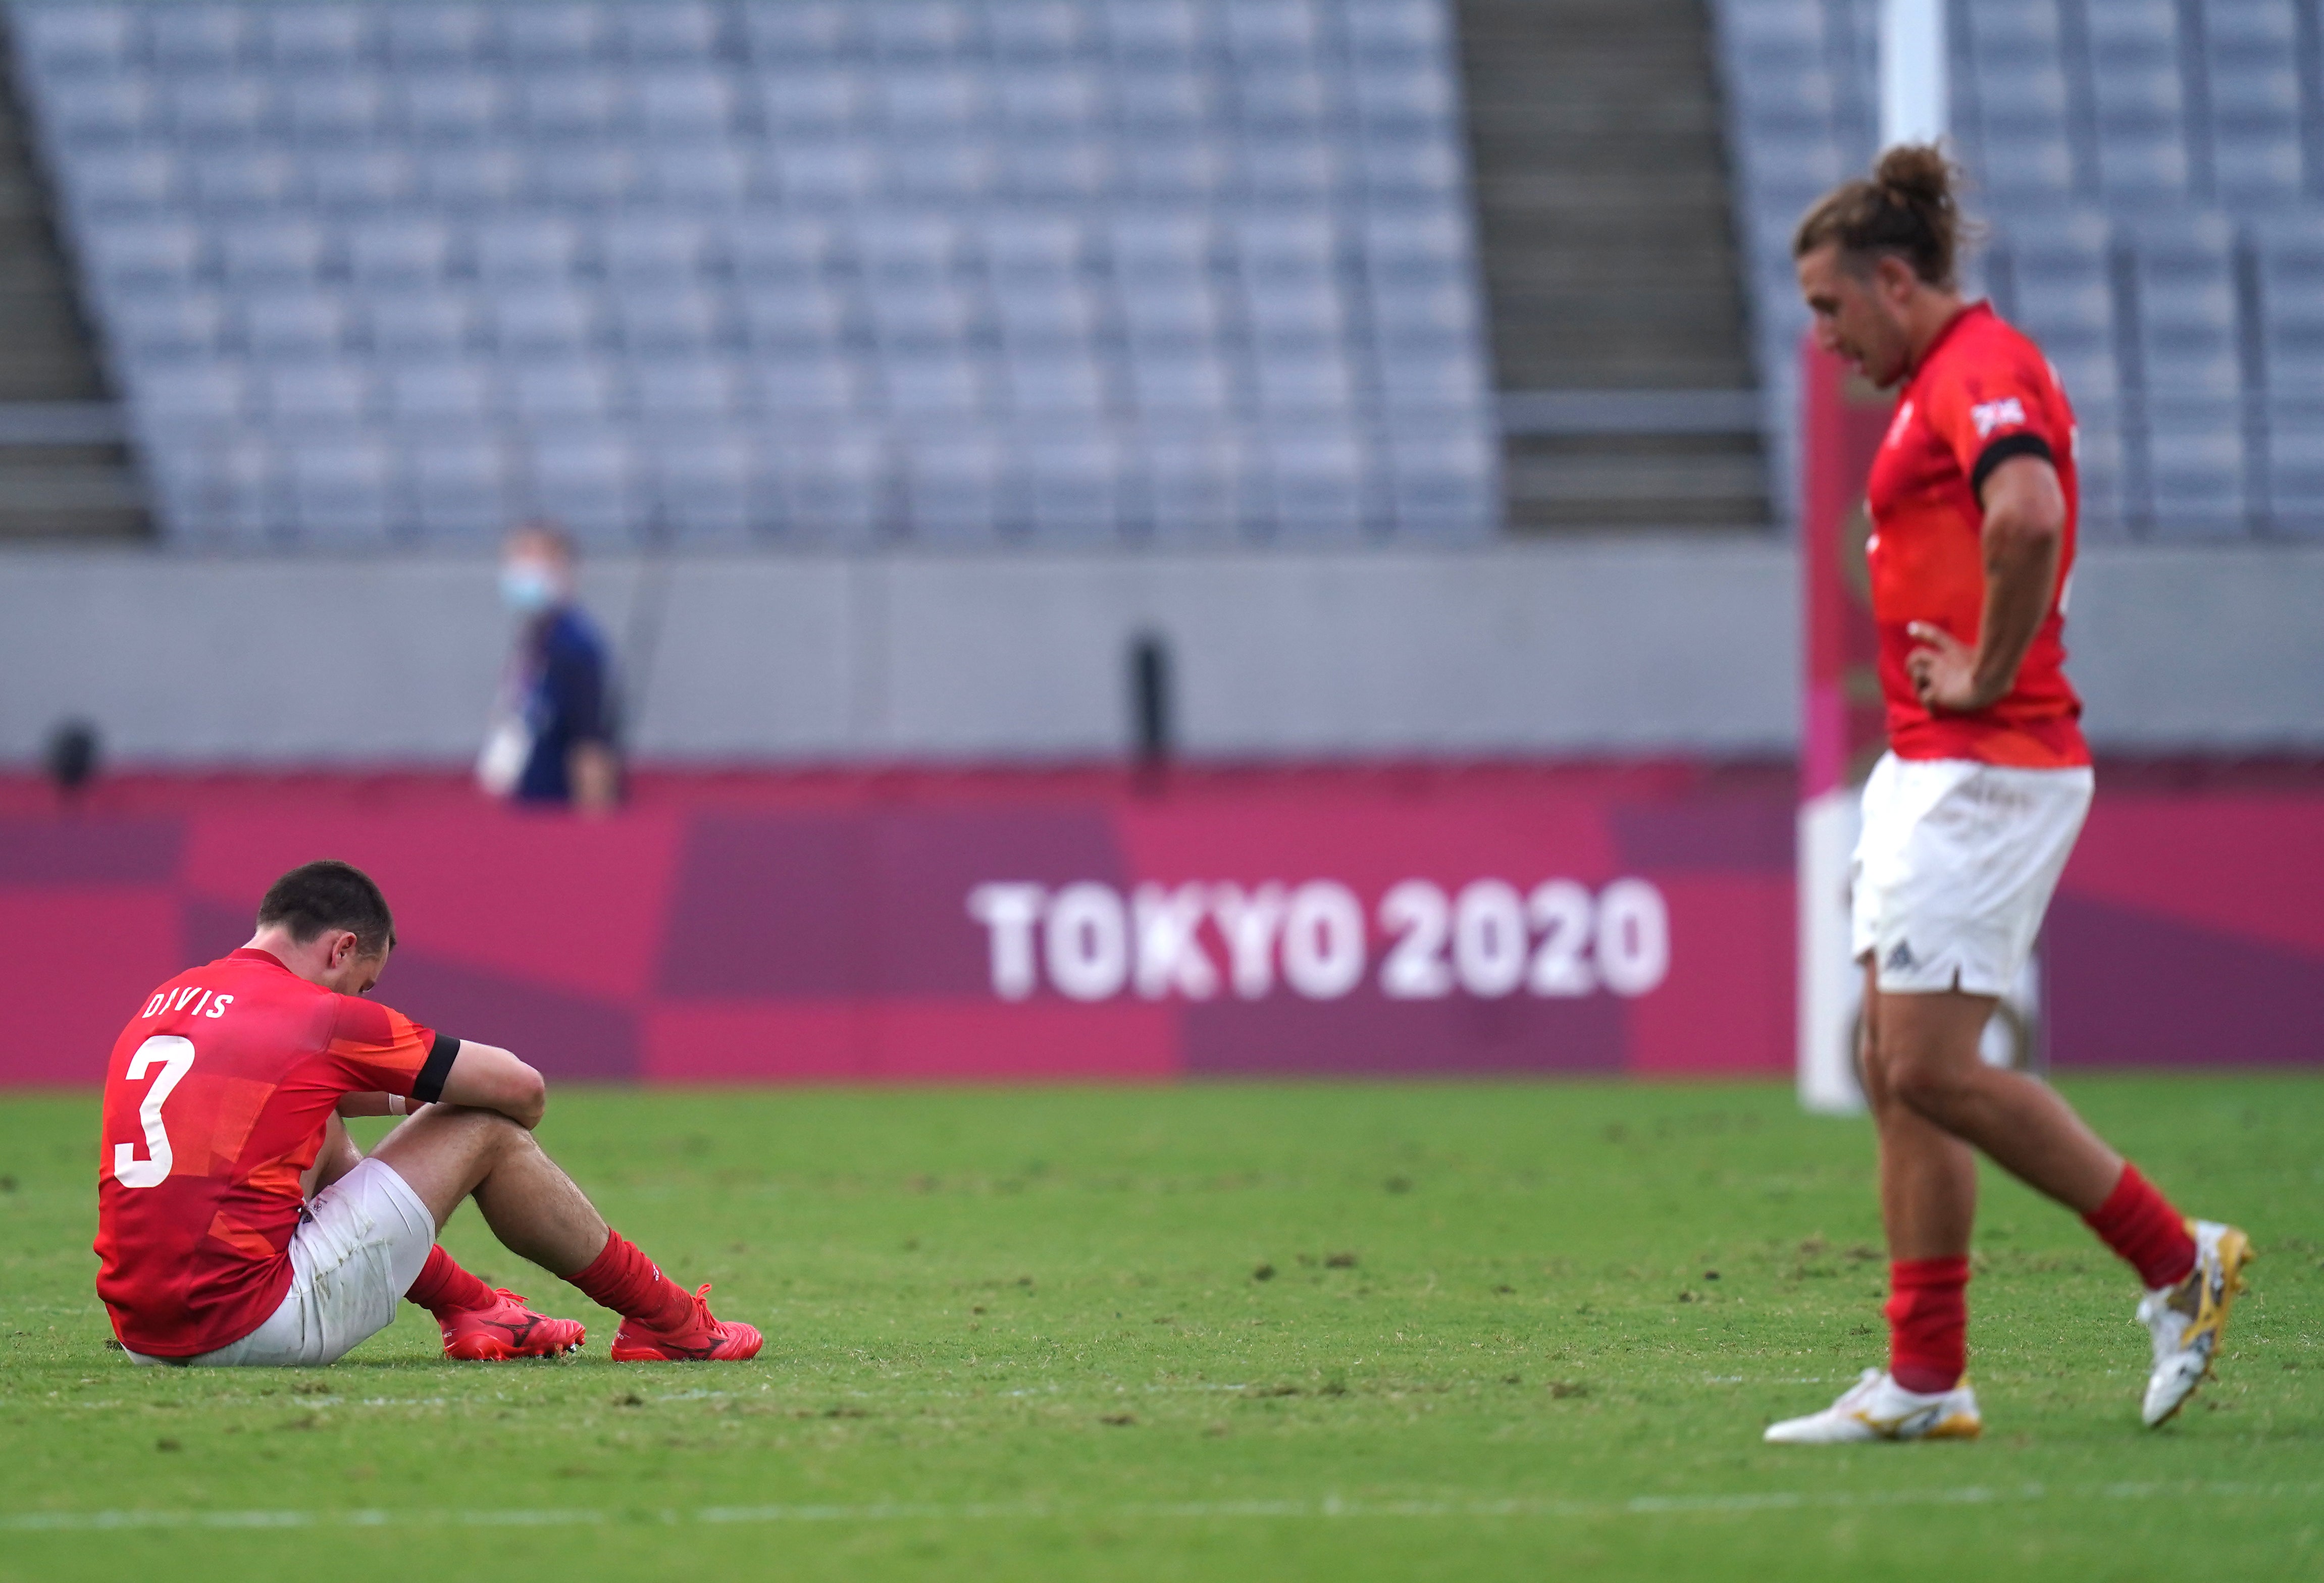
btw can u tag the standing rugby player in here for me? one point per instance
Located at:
(1969, 817)
(236, 1224)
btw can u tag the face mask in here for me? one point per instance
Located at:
(526, 587)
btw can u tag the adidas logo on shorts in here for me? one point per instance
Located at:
(1900, 959)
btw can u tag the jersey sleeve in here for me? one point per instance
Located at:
(376, 1048)
(1995, 409)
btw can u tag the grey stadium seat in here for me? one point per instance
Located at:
(408, 250)
(106, 111)
(820, 386)
(197, 37)
(555, 391)
(2295, 467)
(75, 40)
(685, 393)
(427, 35)
(452, 394)
(668, 31)
(552, 33)
(593, 480)
(1059, 384)
(530, 320)
(342, 490)
(125, 182)
(1317, 481)
(335, 107)
(1170, 387)
(295, 324)
(456, 485)
(324, 393)
(653, 319)
(709, 484)
(2187, 309)
(422, 322)
(2290, 256)
(1074, 485)
(781, 320)
(170, 325)
(908, 225)
(315, 37)
(272, 251)
(954, 487)
(2196, 469)
(211, 396)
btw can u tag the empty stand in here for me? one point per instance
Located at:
(2150, 172)
(952, 271)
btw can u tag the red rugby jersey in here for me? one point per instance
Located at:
(215, 1099)
(1982, 394)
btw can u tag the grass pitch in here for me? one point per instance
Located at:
(1320, 1332)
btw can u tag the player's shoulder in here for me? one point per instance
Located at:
(1985, 347)
(357, 1021)
(1991, 372)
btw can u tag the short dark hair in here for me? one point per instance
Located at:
(1907, 209)
(327, 894)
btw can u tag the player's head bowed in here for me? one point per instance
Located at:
(327, 895)
(1877, 260)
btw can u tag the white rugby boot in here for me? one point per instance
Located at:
(2188, 1320)
(1877, 1408)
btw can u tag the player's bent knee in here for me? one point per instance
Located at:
(1927, 1087)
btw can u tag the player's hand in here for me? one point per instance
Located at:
(1943, 670)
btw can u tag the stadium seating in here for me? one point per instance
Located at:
(956, 271)
(2156, 219)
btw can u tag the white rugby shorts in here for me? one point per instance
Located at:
(358, 1248)
(1955, 866)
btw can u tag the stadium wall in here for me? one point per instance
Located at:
(1680, 646)
(1076, 926)
(1676, 647)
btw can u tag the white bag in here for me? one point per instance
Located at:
(508, 748)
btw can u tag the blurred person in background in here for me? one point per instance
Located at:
(553, 735)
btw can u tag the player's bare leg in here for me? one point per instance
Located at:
(480, 1324)
(1925, 1047)
(1931, 1094)
(1928, 1177)
(1928, 1203)
(447, 1152)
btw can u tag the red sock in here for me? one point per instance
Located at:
(444, 1287)
(2139, 1223)
(1928, 1322)
(627, 1282)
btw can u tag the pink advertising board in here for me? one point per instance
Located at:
(917, 926)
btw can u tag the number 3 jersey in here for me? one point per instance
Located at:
(216, 1098)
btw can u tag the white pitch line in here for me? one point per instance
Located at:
(1329, 1507)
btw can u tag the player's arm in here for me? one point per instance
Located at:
(2024, 537)
(377, 1104)
(489, 1079)
(336, 1157)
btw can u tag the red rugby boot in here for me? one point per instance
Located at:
(506, 1329)
(700, 1339)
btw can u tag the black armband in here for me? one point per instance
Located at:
(429, 1086)
(2001, 450)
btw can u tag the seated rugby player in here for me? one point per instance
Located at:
(238, 1224)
